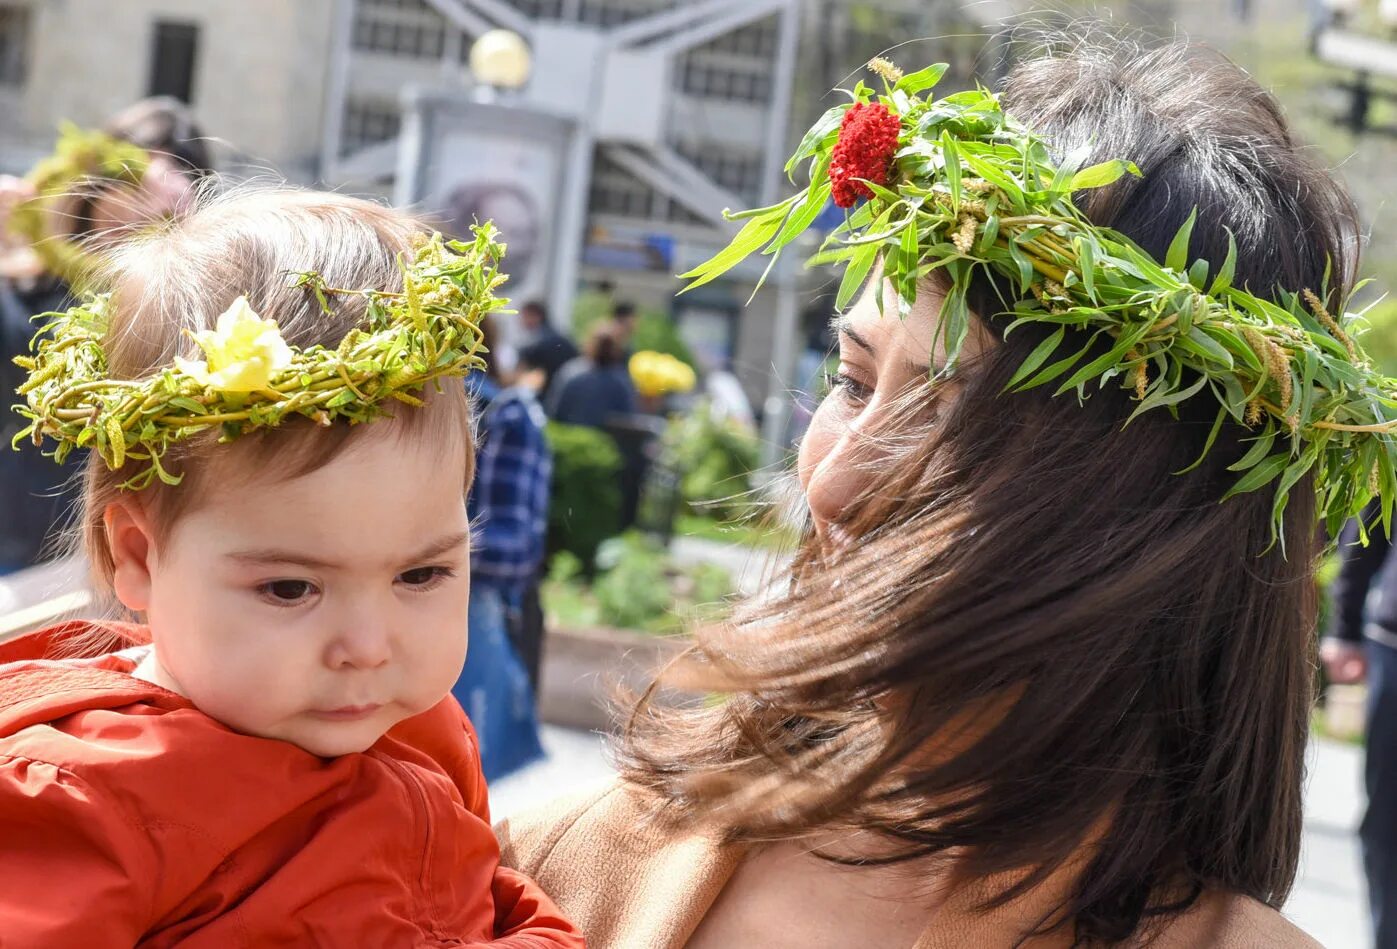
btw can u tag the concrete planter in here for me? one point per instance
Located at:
(582, 669)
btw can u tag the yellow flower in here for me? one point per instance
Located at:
(241, 353)
(656, 374)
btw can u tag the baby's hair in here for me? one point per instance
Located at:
(179, 277)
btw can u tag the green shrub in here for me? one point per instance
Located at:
(715, 460)
(634, 587)
(585, 505)
(1380, 340)
(637, 586)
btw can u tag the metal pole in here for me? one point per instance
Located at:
(776, 409)
(336, 92)
(779, 120)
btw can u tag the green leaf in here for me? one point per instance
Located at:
(827, 125)
(1229, 267)
(1162, 398)
(1259, 476)
(802, 215)
(1086, 265)
(1106, 360)
(1036, 358)
(1259, 449)
(1198, 274)
(854, 273)
(1022, 262)
(922, 79)
(189, 405)
(754, 234)
(1100, 175)
(1208, 444)
(1058, 368)
(951, 155)
(1199, 340)
(988, 234)
(1176, 258)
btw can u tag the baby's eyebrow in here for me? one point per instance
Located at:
(264, 556)
(445, 544)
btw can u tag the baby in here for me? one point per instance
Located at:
(280, 457)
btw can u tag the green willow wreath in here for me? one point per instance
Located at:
(250, 378)
(956, 185)
(79, 157)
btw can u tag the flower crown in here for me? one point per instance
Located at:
(249, 377)
(79, 155)
(956, 185)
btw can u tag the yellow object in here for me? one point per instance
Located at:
(242, 352)
(656, 374)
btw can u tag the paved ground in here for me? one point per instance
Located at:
(1328, 901)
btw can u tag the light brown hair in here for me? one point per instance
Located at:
(177, 280)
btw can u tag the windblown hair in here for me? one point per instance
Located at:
(177, 279)
(1044, 647)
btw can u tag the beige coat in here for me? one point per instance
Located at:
(629, 885)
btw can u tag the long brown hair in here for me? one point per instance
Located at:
(1045, 645)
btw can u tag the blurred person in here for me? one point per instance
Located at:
(508, 507)
(626, 318)
(91, 214)
(542, 346)
(597, 385)
(1361, 645)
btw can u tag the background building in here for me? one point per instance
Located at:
(693, 107)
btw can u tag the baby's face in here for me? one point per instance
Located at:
(321, 610)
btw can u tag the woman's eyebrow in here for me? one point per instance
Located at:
(840, 325)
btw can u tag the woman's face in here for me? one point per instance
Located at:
(880, 357)
(164, 190)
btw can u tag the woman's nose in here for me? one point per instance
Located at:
(839, 477)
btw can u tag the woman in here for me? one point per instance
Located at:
(599, 386)
(1029, 686)
(78, 216)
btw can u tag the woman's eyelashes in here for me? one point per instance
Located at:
(290, 592)
(848, 386)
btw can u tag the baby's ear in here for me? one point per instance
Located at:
(132, 545)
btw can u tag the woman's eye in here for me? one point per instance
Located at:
(425, 578)
(850, 386)
(287, 592)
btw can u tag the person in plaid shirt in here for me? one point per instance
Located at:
(508, 506)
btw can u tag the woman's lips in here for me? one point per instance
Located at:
(346, 713)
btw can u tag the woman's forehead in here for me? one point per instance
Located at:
(887, 332)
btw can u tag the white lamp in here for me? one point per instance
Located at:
(501, 58)
(1342, 8)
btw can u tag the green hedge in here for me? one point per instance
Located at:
(585, 505)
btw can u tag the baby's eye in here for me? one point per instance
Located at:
(425, 578)
(287, 592)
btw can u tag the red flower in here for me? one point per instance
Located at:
(865, 148)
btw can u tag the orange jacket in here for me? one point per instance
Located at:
(130, 818)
